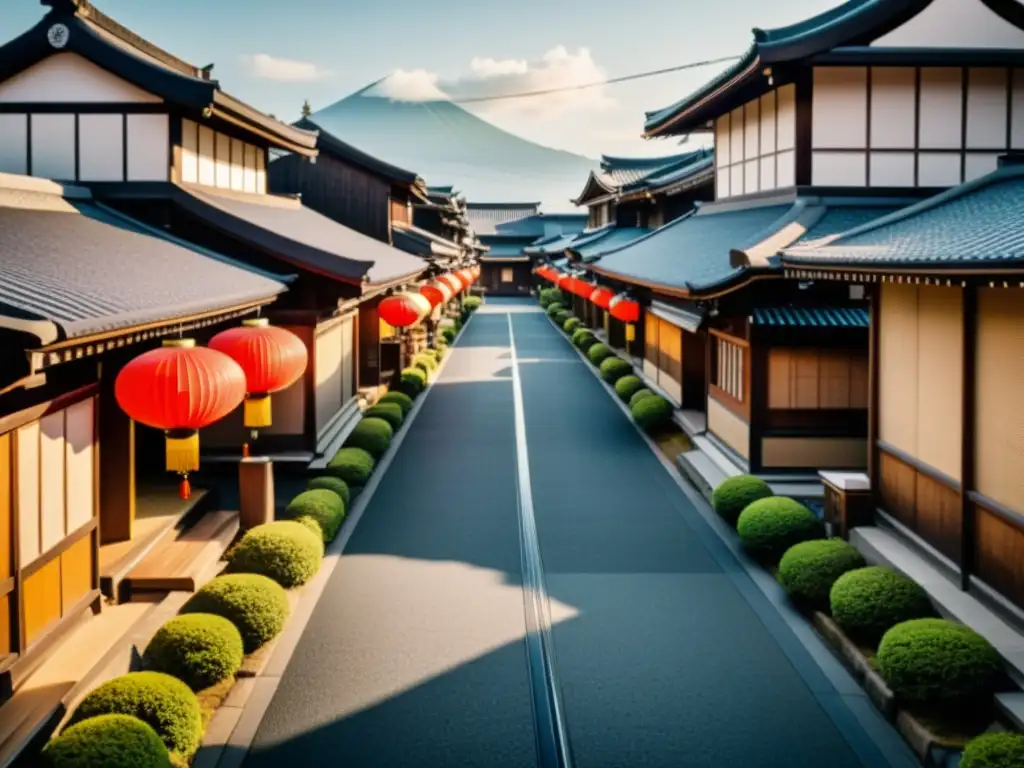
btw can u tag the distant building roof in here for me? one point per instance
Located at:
(621, 174)
(590, 248)
(70, 267)
(423, 243)
(974, 225)
(811, 317)
(332, 145)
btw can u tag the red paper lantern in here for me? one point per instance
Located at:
(453, 283)
(562, 281)
(404, 309)
(624, 309)
(475, 270)
(180, 388)
(436, 292)
(464, 277)
(272, 358)
(583, 289)
(602, 297)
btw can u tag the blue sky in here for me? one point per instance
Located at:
(274, 54)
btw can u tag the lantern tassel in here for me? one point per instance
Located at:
(257, 410)
(245, 450)
(185, 488)
(183, 452)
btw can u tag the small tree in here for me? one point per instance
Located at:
(307, 111)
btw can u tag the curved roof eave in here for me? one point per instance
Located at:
(330, 143)
(589, 190)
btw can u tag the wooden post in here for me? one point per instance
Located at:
(967, 427)
(117, 464)
(255, 491)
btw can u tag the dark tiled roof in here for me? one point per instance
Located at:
(700, 168)
(841, 218)
(817, 317)
(551, 245)
(616, 237)
(88, 269)
(423, 243)
(485, 219)
(300, 235)
(621, 174)
(973, 225)
(332, 145)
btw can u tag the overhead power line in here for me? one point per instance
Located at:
(597, 84)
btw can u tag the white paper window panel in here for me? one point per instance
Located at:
(785, 169)
(892, 169)
(941, 114)
(768, 123)
(261, 171)
(14, 143)
(189, 152)
(840, 104)
(347, 360)
(785, 118)
(149, 147)
(207, 147)
(768, 172)
(893, 104)
(222, 162)
(752, 129)
(722, 141)
(52, 491)
(101, 147)
(28, 492)
(79, 458)
(722, 183)
(1017, 110)
(986, 108)
(736, 179)
(736, 136)
(237, 164)
(839, 169)
(750, 179)
(979, 163)
(938, 169)
(250, 168)
(53, 147)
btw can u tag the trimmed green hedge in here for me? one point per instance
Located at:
(390, 412)
(571, 325)
(652, 413)
(867, 602)
(256, 605)
(614, 368)
(353, 465)
(627, 386)
(440, 349)
(935, 661)
(412, 381)
(400, 399)
(285, 551)
(561, 318)
(372, 435)
(336, 484)
(472, 303)
(768, 527)
(449, 334)
(994, 750)
(639, 395)
(107, 741)
(734, 494)
(809, 569)
(312, 525)
(584, 338)
(322, 505)
(200, 649)
(598, 352)
(549, 296)
(426, 363)
(554, 308)
(162, 702)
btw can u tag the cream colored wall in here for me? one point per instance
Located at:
(329, 386)
(68, 77)
(819, 452)
(921, 373)
(729, 428)
(999, 382)
(214, 159)
(955, 24)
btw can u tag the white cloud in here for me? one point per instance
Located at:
(269, 67)
(415, 85)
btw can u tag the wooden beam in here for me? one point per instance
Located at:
(967, 433)
(116, 435)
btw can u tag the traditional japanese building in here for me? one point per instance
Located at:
(946, 281)
(84, 100)
(820, 127)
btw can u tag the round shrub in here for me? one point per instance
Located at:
(162, 702)
(401, 399)
(734, 494)
(285, 551)
(868, 601)
(563, 317)
(570, 325)
(768, 527)
(472, 303)
(322, 505)
(652, 413)
(598, 352)
(550, 295)
(614, 368)
(390, 412)
(312, 525)
(935, 661)
(554, 308)
(994, 750)
(353, 465)
(412, 381)
(255, 604)
(426, 363)
(372, 435)
(627, 386)
(584, 338)
(809, 569)
(107, 741)
(200, 649)
(449, 334)
(329, 483)
(440, 350)
(637, 396)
